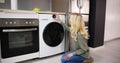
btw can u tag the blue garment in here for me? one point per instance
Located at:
(73, 59)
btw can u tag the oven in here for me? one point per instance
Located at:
(18, 36)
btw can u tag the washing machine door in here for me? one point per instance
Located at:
(53, 34)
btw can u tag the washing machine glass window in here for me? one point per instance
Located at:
(53, 34)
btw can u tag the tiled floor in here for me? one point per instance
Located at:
(109, 53)
(52, 59)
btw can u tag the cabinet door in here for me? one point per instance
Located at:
(96, 22)
(60, 5)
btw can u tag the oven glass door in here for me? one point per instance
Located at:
(19, 41)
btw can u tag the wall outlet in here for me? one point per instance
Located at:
(2, 1)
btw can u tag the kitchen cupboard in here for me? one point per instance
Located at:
(97, 22)
(44, 5)
(60, 5)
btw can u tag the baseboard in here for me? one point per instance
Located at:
(111, 39)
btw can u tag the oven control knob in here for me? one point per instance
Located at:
(33, 22)
(10, 22)
(26, 22)
(6, 22)
(14, 22)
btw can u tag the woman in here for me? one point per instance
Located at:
(79, 36)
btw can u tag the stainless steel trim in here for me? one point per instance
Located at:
(19, 30)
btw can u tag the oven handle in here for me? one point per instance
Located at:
(19, 30)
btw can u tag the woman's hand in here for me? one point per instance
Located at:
(58, 17)
(68, 56)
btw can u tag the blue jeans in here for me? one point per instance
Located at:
(73, 59)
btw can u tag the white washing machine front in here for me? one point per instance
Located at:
(51, 35)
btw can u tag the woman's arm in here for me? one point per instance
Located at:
(59, 20)
(65, 26)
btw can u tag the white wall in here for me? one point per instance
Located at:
(112, 22)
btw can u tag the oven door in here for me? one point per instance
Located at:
(19, 41)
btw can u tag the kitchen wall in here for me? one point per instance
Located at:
(112, 23)
(44, 5)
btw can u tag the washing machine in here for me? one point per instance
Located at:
(51, 35)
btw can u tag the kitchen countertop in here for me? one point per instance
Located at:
(28, 11)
